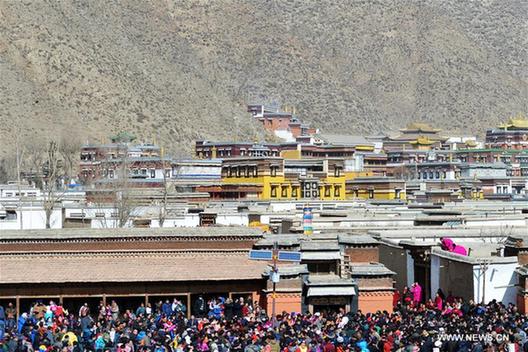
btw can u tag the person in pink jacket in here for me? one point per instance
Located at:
(460, 250)
(416, 291)
(448, 245)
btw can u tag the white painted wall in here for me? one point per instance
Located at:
(500, 282)
(285, 134)
(232, 219)
(410, 268)
(496, 222)
(33, 219)
(282, 206)
(435, 274)
(187, 220)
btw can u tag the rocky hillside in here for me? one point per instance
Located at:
(175, 71)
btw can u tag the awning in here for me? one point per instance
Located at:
(331, 291)
(321, 255)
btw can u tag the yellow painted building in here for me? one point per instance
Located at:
(376, 188)
(271, 180)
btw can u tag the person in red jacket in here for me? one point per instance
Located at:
(396, 297)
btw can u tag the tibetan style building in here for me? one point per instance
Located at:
(419, 136)
(511, 135)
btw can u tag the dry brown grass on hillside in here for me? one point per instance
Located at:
(177, 71)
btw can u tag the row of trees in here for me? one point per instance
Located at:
(51, 164)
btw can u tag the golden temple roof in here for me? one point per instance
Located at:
(518, 121)
(471, 143)
(422, 141)
(420, 127)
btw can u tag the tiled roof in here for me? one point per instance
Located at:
(288, 270)
(357, 239)
(329, 280)
(282, 240)
(319, 246)
(135, 266)
(67, 234)
(370, 269)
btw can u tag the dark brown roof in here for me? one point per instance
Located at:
(148, 266)
(124, 233)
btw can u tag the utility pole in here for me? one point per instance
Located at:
(275, 258)
(483, 268)
(18, 161)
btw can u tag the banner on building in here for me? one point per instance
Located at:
(307, 221)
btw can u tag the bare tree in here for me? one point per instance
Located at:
(52, 174)
(36, 150)
(113, 192)
(122, 201)
(165, 193)
(19, 158)
(69, 149)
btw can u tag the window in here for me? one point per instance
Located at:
(337, 191)
(246, 171)
(11, 215)
(431, 175)
(273, 192)
(111, 173)
(152, 173)
(444, 174)
(229, 172)
(167, 172)
(437, 174)
(274, 171)
(337, 172)
(371, 193)
(284, 191)
(239, 171)
(144, 172)
(424, 175)
(397, 193)
(294, 192)
(327, 191)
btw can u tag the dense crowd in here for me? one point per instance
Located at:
(226, 325)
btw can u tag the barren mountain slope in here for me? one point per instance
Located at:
(175, 71)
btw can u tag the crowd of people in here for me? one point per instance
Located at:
(220, 325)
